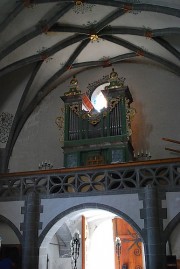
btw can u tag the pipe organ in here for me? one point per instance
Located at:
(92, 137)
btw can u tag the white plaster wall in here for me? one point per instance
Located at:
(7, 235)
(175, 241)
(124, 203)
(156, 99)
(39, 139)
(66, 263)
(172, 204)
(55, 262)
(73, 221)
(12, 211)
(11, 91)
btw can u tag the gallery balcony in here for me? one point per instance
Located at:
(123, 177)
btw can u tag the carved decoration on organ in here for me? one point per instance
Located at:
(75, 108)
(107, 130)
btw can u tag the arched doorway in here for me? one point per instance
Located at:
(173, 248)
(172, 240)
(98, 246)
(10, 239)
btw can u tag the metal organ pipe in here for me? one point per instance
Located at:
(119, 120)
(115, 120)
(110, 124)
(70, 125)
(73, 126)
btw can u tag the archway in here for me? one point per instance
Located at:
(92, 224)
(10, 242)
(172, 241)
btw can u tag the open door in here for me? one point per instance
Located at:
(128, 246)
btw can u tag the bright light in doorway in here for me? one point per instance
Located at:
(101, 248)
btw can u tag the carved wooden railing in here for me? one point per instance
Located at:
(102, 178)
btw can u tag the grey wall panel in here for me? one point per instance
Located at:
(128, 204)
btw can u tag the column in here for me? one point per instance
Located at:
(153, 232)
(30, 248)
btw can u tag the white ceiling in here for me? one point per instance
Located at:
(50, 32)
(51, 38)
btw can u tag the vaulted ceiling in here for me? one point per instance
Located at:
(56, 39)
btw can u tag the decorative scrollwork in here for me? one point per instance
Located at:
(138, 267)
(43, 51)
(137, 252)
(130, 113)
(113, 102)
(154, 177)
(6, 120)
(92, 86)
(88, 181)
(129, 6)
(75, 108)
(60, 123)
(94, 118)
(81, 7)
(176, 175)
(135, 239)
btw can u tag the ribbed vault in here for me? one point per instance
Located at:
(115, 24)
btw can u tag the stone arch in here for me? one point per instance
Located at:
(62, 216)
(13, 227)
(171, 226)
(52, 227)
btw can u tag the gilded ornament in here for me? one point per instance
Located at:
(130, 113)
(75, 108)
(92, 86)
(60, 123)
(94, 119)
(73, 88)
(94, 38)
(78, 2)
(115, 81)
(81, 7)
(113, 102)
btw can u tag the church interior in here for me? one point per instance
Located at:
(89, 134)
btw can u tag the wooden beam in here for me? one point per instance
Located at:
(174, 150)
(171, 140)
(92, 168)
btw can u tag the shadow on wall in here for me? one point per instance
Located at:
(11, 87)
(141, 129)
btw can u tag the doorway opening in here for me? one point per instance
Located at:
(97, 232)
(10, 246)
